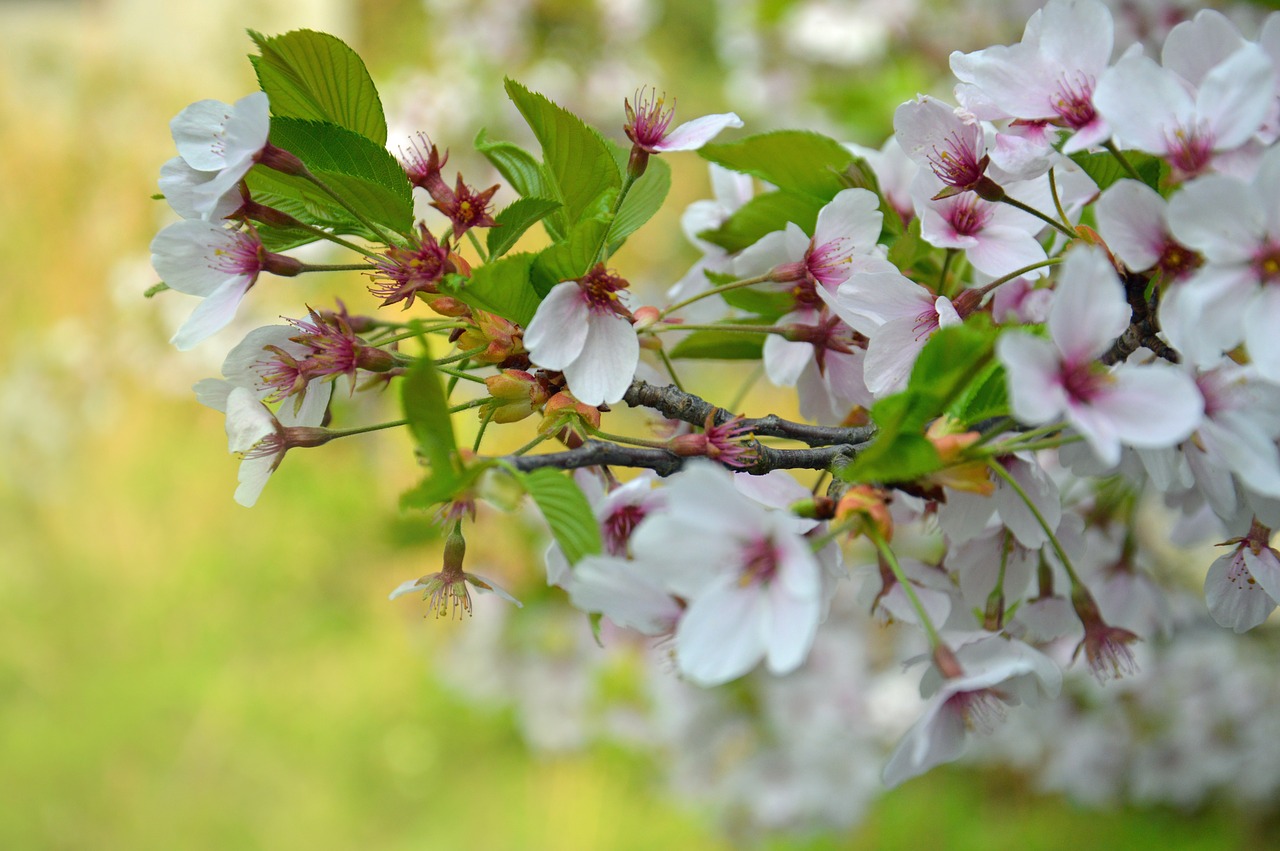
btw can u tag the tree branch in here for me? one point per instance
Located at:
(595, 453)
(678, 405)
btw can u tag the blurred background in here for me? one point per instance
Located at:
(180, 672)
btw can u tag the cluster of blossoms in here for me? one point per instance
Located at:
(1013, 328)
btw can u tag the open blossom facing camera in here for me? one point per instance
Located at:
(583, 328)
(1143, 406)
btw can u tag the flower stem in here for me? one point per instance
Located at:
(460, 356)
(418, 332)
(999, 470)
(366, 429)
(1049, 220)
(723, 288)
(671, 368)
(360, 217)
(886, 553)
(744, 329)
(633, 441)
(465, 376)
(475, 243)
(335, 267)
(1018, 273)
(1122, 159)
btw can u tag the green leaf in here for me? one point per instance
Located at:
(305, 203)
(314, 76)
(986, 398)
(517, 166)
(576, 158)
(363, 173)
(908, 248)
(720, 345)
(794, 160)
(953, 360)
(767, 304)
(570, 259)
(503, 287)
(1105, 169)
(645, 197)
(906, 457)
(518, 217)
(567, 512)
(764, 214)
(427, 409)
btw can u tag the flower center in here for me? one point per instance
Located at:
(1074, 102)
(1083, 382)
(1266, 263)
(240, 255)
(823, 263)
(759, 562)
(1177, 261)
(600, 290)
(618, 527)
(957, 163)
(968, 216)
(1190, 149)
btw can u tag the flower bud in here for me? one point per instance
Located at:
(501, 338)
(516, 395)
(568, 419)
(863, 506)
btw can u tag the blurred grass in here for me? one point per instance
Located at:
(178, 672)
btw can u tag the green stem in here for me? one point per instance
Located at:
(723, 288)
(633, 441)
(475, 243)
(484, 424)
(1122, 159)
(744, 329)
(1049, 220)
(359, 217)
(1057, 200)
(334, 238)
(366, 429)
(530, 445)
(461, 356)
(465, 406)
(418, 332)
(886, 553)
(942, 276)
(334, 267)
(628, 180)
(671, 368)
(1032, 446)
(465, 376)
(1018, 273)
(999, 470)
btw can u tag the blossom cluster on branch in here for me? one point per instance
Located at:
(1022, 319)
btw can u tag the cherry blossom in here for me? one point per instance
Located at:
(220, 265)
(649, 125)
(1151, 109)
(752, 583)
(1233, 296)
(984, 678)
(1145, 406)
(223, 139)
(1051, 75)
(583, 328)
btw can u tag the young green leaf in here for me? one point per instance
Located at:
(567, 512)
(575, 156)
(645, 197)
(517, 166)
(364, 174)
(514, 220)
(503, 287)
(1105, 169)
(720, 345)
(570, 259)
(764, 214)
(427, 410)
(313, 75)
(794, 160)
